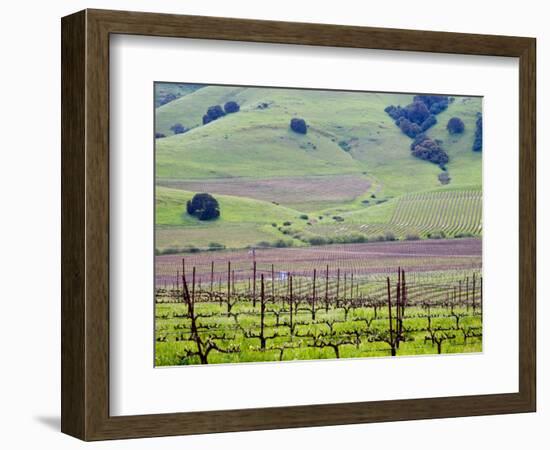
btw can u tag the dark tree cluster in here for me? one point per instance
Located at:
(203, 206)
(178, 128)
(478, 137)
(413, 129)
(231, 107)
(159, 135)
(435, 103)
(216, 111)
(418, 116)
(429, 149)
(298, 125)
(455, 125)
(213, 113)
(415, 119)
(167, 98)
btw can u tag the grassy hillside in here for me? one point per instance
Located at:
(167, 92)
(264, 173)
(256, 142)
(170, 209)
(244, 145)
(243, 221)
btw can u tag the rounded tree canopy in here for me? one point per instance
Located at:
(417, 112)
(298, 125)
(455, 125)
(231, 107)
(204, 207)
(215, 112)
(178, 128)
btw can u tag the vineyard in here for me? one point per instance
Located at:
(426, 214)
(451, 212)
(268, 314)
(296, 224)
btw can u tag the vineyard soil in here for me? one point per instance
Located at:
(302, 224)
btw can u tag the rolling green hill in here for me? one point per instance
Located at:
(243, 221)
(350, 142)
(167, 92)
(171, 203)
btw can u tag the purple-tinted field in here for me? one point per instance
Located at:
(360, 259)
(286, 191)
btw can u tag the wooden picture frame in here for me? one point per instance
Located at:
(85, 224)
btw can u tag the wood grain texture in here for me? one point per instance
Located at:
(85, 224)
(73, 269)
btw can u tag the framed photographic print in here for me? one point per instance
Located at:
(270, 224)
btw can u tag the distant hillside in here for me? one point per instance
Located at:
(168, 92)
(353, 163)
(257, 142)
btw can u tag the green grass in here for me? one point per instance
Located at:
(231, 235)
(171, 210)
(172, 330)
(452, 211)
(349, 134)
(236, 147)
(242, 222)
(257, 142)
(175, 89)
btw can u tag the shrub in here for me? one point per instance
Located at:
(463, 235)
(298, 125)
(282, 243)
(437, 235)
(428, 123)
(215, 112)
(171, 251)
(430, 100)
(231, 107)
(412, 237)
(274, 225)
(444, 178)
(455, 125)
(318, 240)
(408, 128)
(354, 239)
(167, 98)
(263, 244)
(435, 103)
(389, 236)
(418, 116)
(338, 218)
(395, 112)
(287, 224)
(304, 217)
(216, 246)
(178, 128)
(191, 249)
(478, 136)
(427, 149)
(159, 135)
(204, 207)
(344, 145)
(417, 112)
